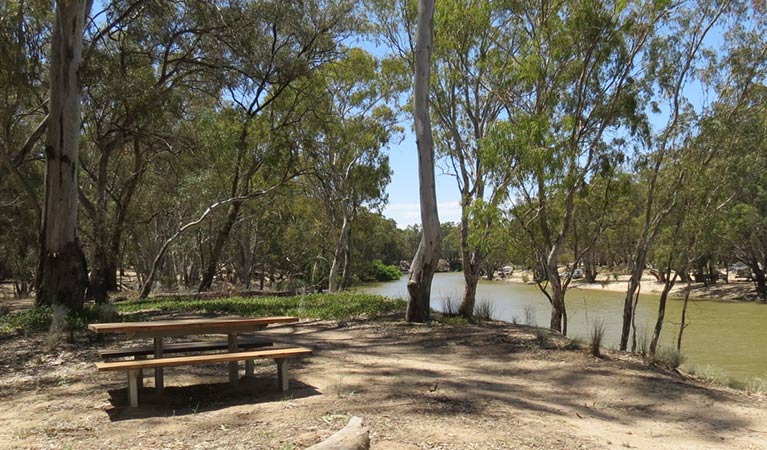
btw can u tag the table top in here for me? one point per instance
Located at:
(189, 326)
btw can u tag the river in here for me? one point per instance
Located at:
(731, 336)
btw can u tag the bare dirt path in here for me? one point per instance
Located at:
(494, 386)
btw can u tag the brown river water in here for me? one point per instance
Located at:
(727, 335)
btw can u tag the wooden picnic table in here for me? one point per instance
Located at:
(159, 329)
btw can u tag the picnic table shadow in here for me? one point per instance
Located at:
(203, 397)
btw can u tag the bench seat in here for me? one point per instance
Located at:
(134, 367)
(182, 347)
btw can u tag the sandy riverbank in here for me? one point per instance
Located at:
(734, 290)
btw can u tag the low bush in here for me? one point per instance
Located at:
(382, 272)
(710, 374)
(484, 310)
(450, 305)
(756, 385)
(574, 344)
(596, 335)
(317, 306)
(30, 320)
(669, 357)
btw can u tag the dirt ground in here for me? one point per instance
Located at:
(491, 386)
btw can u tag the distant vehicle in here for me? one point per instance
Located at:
(507, 269)
(577, 273)
(741, 270)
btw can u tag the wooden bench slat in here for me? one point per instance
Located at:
(183, 347)
(277, 353)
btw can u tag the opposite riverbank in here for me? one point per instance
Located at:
(735, 290)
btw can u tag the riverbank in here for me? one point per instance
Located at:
(433, 386)
(735, 290)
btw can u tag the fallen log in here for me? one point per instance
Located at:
(351, 437)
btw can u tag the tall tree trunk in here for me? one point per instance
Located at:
(760, 280)
(683, 325)
(346, 276)
(670, 281)
(218, 247)
(63, 275)
(628, 303)
(426, 258)
(471, 268)
(558, 308)
(339, 252)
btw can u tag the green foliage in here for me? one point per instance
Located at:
(36, 319)
(382, 272)
(456, 321)
(710, 374)
(41, 319)
(317, 306)
(484, 310)
(450, 305)
(669, 357)
(574, 344)
(596, 336)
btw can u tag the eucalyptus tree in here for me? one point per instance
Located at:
(427, 256)
(468, 65)
(671, 63)
(144, 68)
(272, 50)
(735, 125)
(350, 168)
(63, 275)
(24, 39)
(573, 95)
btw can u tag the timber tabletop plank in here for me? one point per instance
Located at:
(190, 325)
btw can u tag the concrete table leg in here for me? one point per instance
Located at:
(249, 368)
(282, 373)
(158, 373)
(133, 387)
(234, 371)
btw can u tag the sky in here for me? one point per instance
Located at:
(403, 204)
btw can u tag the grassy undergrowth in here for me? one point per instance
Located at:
(316, 306)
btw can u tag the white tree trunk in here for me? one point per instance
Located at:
(340, 251)
(427, 256)
(63, 275)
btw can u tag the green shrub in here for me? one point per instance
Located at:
(574, 344)
(457, 321)
(450, 305)
(318, 306)
(669, 356)
(382, 272)
(596, 335)
(30, 320)
(710, 374)
(484, 310)
(756, 385)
